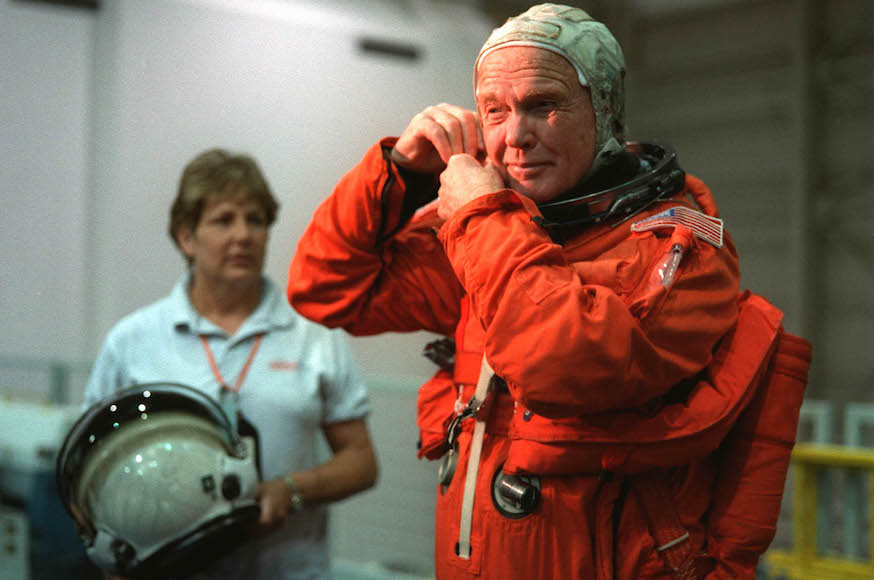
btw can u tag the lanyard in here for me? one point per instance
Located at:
(243, 372)
(228, 395)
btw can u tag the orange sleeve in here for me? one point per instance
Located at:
(360, 265)
(569, 334)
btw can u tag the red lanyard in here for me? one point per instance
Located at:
(243, 372)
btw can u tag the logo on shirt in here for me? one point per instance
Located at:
(283, 365)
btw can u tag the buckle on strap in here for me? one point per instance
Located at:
(475, 408)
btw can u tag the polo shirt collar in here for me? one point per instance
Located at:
(272, 312)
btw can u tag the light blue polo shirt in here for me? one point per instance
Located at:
(303, 376)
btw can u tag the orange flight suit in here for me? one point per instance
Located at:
(591, 346)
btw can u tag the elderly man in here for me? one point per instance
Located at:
(585, 283)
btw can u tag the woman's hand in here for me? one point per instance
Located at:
(351, 469)
(274, 497)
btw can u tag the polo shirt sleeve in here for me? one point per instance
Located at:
(107, 374)
(343, 390)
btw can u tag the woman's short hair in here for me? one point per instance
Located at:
(217, 174)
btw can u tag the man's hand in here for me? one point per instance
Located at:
(274, 497)
(435, 135)
(463, 180)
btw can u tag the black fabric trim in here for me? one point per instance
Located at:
(421, 188)
(618, 507)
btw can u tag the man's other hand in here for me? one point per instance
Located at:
(464, 180)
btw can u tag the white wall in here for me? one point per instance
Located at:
(281, 80)
(106, 107)
(100, 112)
(45, 105)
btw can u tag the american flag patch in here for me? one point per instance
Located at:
(702, 225)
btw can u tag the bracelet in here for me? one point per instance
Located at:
(296, 499)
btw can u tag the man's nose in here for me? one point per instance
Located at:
(519, 132)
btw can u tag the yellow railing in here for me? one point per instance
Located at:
(804, 562)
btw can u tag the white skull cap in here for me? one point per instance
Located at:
(589, 47)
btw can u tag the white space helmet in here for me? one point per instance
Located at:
(154, 476)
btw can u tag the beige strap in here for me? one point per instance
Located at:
(476, 446)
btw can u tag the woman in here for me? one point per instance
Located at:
(225, 329)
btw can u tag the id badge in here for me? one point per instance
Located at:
(230, 403)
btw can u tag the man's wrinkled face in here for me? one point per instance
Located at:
(537, 120)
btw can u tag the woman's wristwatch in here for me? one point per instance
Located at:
(296, 499)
